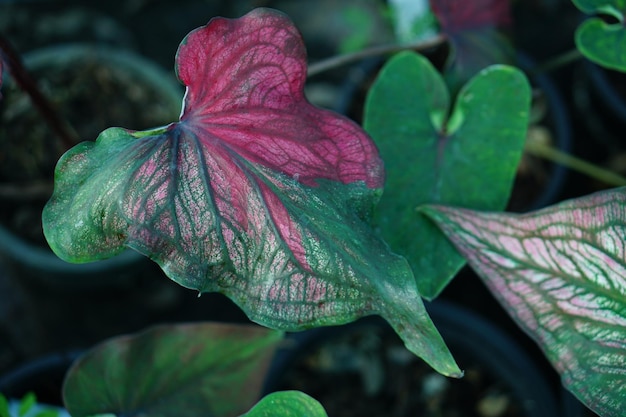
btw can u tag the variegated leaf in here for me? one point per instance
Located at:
(561, 274)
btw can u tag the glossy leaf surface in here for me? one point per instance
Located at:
(476, 31)
(561, 274)
(599, 40)
(254, 193)
(207, 369)
(468, 158)
(287, 404)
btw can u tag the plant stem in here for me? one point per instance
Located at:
(26, 82)
(339, 60)
(32, 191)
(548, 152)
(557, 62)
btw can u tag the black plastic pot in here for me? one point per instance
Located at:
(559, 123)
(386, 379)
(38, 263)
(42, 376)
(600, 99)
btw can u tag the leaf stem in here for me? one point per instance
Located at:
(550, 153)
(340, 60)
(557, 62)
(26, 82)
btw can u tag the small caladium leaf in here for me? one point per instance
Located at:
(476, 31)
(287, 404)
(561, 274)
(255, 193)
(599, 39)
(206, 369)
(466, 157)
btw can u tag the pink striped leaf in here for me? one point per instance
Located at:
(561, 274)
(254, 193)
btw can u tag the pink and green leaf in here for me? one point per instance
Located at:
(464, 156)
(561, 274)
(254, 193)
(599, 39)
(209, 369)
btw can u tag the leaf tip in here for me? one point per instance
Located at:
(431, 211)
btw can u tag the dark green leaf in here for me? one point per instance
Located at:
(287, 404)
(207, 369)
(600, 40)
(4, 406)
(466, 158)
(27, 403)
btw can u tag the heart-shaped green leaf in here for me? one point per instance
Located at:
(561, 274)
(206, 369)
(466, 158)
(287, 404)
(602, 42)
(254, 193)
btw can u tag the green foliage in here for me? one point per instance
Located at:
(287, 404)
(4, 406)
(299, 252)
(560, 272)
(26, 404)
(28, 407)
(599, 39)
(360, 23)
(206, 369)
(433, 151)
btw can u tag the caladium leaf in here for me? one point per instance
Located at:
(287, 404)
(254, 193)
(205, 369)
(476, 31)
(561, 273)
(599, 40)
(466, 157)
